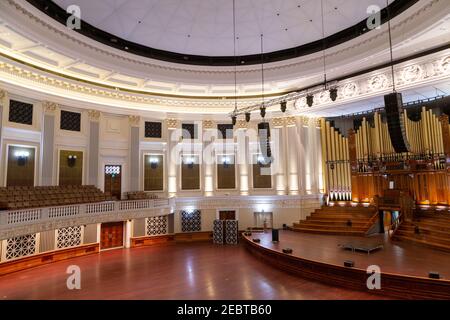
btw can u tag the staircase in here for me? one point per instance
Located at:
(338, 220)
(433, 231)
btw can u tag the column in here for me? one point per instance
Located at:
(208, 160)
(278, 137)
(48, 142)
(172, 156)
(128, 233)
(135, 122)
(295, 155)
(242, 157)
(3, 98)
(94, 141)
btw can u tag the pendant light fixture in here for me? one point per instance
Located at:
(234, 117)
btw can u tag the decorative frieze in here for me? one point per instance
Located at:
(208, 124)
(49, 107)
(134, 120)
(241, 124)
(94, 115)
(172, 124)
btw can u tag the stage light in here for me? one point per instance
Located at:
(287, 250)
(153, 162)
(309, 100)
(283, 106)
(349, 264)
(333, 94)
(263, 111)
(247, 116)
(434, 275)
(233, 120)
(21, 154)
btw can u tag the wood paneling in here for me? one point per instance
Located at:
(70, 171)
(190, 174)
(153, 173)
(111, 235)
(20, 171)
(226, 172)
(261, 180)
(194, 236)
(46, 258)
(151, 240)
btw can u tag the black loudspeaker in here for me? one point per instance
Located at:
(264, 140)
(393, 105)
(275, 235)
(349, 264)
(434, 275)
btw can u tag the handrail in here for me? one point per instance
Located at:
(46, 214)
(395, 225)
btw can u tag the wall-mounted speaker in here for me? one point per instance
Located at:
(264, 141)
(393, 105)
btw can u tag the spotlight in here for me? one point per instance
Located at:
(233, 120)
(333, 94)
(263, 111)
(309, 100)
(283, 106)
(247, 116)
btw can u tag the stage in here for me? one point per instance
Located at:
(404, 266)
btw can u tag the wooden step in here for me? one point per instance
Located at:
(330, 232)
(327, 227)
(335, 222)
(426, 243)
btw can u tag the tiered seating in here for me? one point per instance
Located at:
(428, 229)
(338, 220)
(13, 198)
(140, 195)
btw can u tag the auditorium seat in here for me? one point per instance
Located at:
(140, 195)
(13, 198)
(339, 220)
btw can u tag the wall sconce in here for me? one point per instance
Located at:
(189, 162)
(22, 157)
(226, 161)
(153, 162)
(71, 160)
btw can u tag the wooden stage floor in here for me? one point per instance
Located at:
(396, 257)
(176, 271)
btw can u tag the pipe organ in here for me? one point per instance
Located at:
(364, 164)
(336, 165)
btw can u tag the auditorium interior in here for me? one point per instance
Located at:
(224, 150)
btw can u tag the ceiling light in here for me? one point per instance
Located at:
(263, 111)
(309, 100)
(283, 106)
(233, 120)
(247, 116)
(333, 94)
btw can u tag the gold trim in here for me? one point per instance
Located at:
(148, 93)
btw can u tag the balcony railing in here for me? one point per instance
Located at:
(13, 218)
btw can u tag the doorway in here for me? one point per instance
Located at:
(111, 235)
(227, 215)
(113, 181)
(263, 220)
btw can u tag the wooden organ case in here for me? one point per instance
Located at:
(361, 166)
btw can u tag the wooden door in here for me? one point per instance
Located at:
(113, 181)
(227, 215)
(111, 235)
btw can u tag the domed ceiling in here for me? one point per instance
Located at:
(205, 27)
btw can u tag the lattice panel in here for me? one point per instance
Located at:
(113, 170)
(68, 237)
(157, 225)
(22, 246)
(191, 221)
(225, 130)
(189, 130)
(153, 129)
(70, 121)
(20, 112)
(218, 232)
(231, 232)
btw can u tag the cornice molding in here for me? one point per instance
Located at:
(205, 70)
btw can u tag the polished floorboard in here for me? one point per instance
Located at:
(396, 257)
(176, 271)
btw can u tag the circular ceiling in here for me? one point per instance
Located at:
(205, 27)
